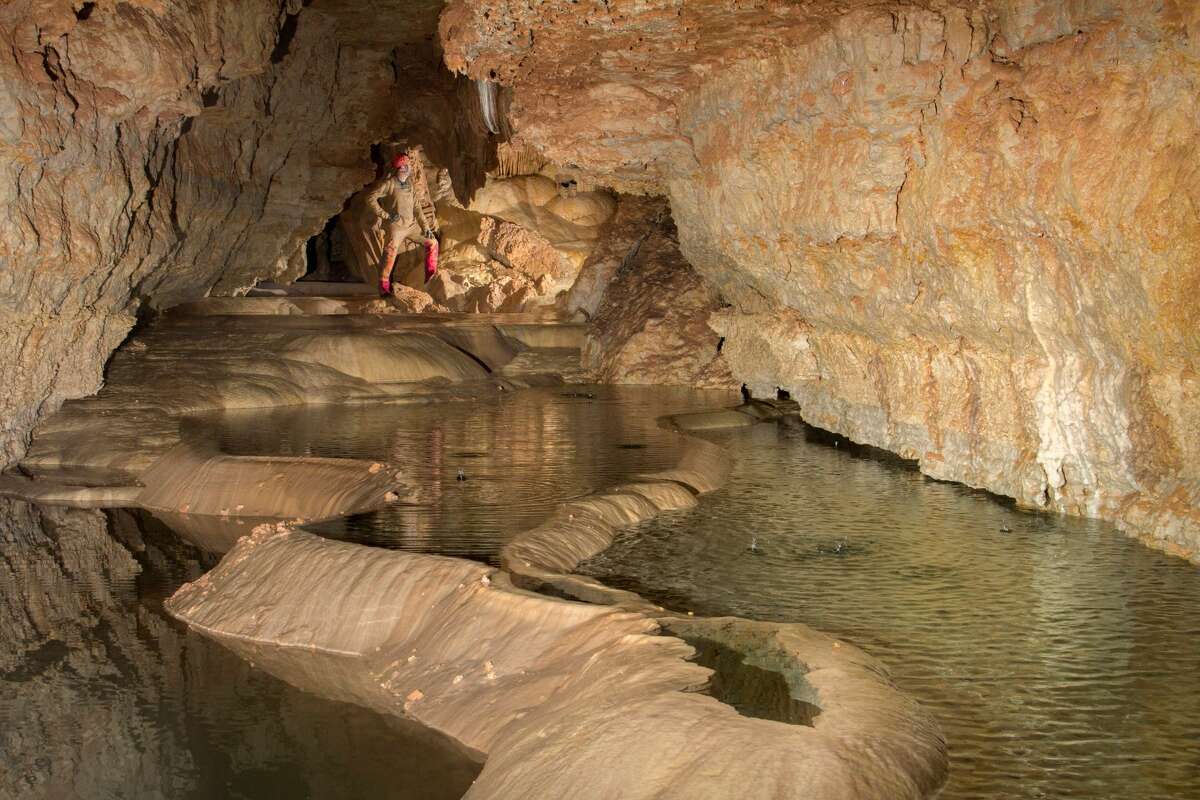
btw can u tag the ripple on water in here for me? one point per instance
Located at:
(107, 696)
(520, 454)
(1059, 656)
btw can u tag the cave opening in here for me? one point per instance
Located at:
(328, 258)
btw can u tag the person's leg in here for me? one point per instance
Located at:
(431, 252)
(387, 260)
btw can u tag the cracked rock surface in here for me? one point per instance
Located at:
(153, 153)
(962, 231)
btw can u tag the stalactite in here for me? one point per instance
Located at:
(516, 160)
(487, 104)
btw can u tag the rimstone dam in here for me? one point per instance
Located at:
(600, 399)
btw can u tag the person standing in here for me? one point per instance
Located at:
(401, 216)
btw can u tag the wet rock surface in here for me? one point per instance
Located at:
(1048, 648)
(449, 643)
(960, 232)
(130, 445)
(157, 152)
(957, 230)
(459, 638)
(103, 694)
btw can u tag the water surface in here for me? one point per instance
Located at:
(104, 696)
(1060, 657)
(480, 472)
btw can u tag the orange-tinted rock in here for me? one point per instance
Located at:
(964, 233)
(413, 301)
(633, 221)
(652, 327)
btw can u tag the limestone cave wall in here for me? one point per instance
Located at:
(153, 153)
(964, 231)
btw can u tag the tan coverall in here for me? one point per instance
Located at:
(400, 216)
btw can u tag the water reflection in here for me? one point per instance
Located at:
(1059, 656)
(519, 454)
(102, 695)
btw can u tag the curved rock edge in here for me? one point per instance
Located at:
(548, 688)
(125, 447)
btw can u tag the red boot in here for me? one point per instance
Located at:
(385, 287)
(431, 258)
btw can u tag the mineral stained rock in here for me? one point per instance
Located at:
(652, 326)
(158, 152)
(519, 244)
(546, 688)
(962, 231)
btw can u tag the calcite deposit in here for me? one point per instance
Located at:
(963, 231)
(548, 689)
(152, 153)
(139, 442)
(652, 326)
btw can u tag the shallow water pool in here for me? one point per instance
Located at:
(1059, 656)
(518, 454)
(102, 695)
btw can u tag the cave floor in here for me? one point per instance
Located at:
(1055, 652)
(358, 425)
(472, 437)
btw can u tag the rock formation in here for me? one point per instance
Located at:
(104, 695)
(963, 231)
(137, 443)
(565, 685)
(156, 152)
(652, 325)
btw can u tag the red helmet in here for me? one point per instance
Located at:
(400, 160)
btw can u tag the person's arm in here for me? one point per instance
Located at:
(373, 204)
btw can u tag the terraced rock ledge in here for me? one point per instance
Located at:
(546, 689)
(541, 674)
